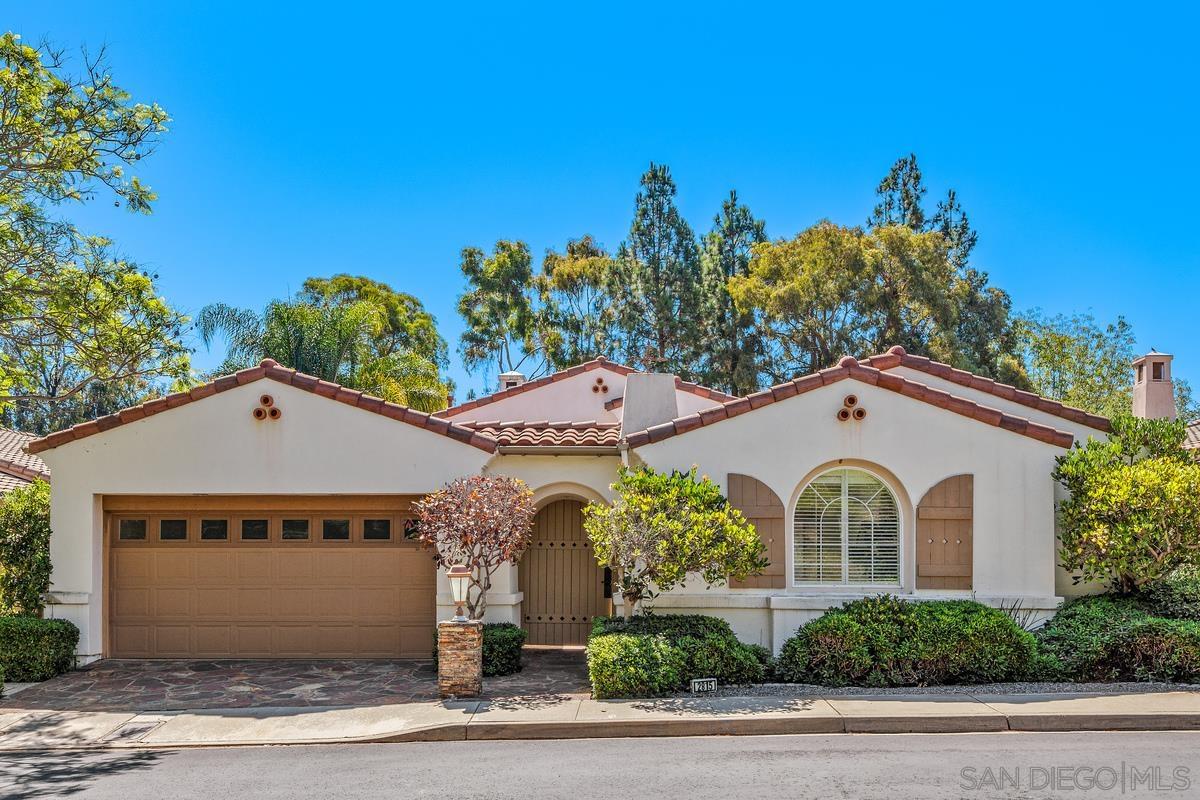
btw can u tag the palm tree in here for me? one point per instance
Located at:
(332, 341)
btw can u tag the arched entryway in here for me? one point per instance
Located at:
(562, 584)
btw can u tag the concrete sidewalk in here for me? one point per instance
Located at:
(578, 717)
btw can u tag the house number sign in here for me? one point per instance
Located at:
(703, 685)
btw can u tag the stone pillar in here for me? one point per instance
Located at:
(460, 659)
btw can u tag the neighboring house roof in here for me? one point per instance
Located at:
(587, 366)
(17, 467)
(850, 368)
(897, 357)
(268, 370)
(551, 434)
(1192, 442)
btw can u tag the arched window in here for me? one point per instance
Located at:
(847, 530)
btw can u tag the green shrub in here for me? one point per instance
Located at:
(885, 641)
(720, 657)
(24, 548)
(33, 649)
(700, 647)
(502, 643)
(1112, 638)
(670, 625)
(1177, 596)
(633, 665)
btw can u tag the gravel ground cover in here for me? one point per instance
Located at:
(809, 690)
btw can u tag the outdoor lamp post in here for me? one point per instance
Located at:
(460, 579)
(460, 643)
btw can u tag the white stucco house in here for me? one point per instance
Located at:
(268, 514)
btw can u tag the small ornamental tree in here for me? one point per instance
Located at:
(481, 521)
(24, 549)
(664, 526)
(1133, 512)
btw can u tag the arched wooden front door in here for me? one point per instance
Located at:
(562, 584)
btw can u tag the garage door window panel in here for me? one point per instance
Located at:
(295, 530)
(335, 530)
(172, 529)
(254, 529)
(377, 529)
(214, 530)
(132, 529)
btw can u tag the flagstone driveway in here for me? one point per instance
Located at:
(116, 685)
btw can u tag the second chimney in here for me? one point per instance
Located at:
(1153, 391)
(649, 401)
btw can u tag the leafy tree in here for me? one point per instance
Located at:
(733, 346)
(497, 308)
(1132, 514)
(63, 139)
(407, 327)
(24, 549)
(985, 337)
(663, 527)
(659, 299)
(335, 341)
(576, 315)
(480, 521)
(833, 291)
(1075, 360)
(97, 399)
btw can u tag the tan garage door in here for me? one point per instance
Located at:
(267, 578)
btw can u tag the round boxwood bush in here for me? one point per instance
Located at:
(33, 649)
(687, 645)
(885, 641)
(633, 665)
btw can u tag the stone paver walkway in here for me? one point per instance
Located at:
(148, 686)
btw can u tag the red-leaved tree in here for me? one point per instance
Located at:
(481, 521)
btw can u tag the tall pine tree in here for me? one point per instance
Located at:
(900, 194)
(733, 346)
(658, 290)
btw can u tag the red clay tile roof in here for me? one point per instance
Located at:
(18, 467)
(897, 357)
(587, 366)
(550, 434)
(268, 370)
(849, 368)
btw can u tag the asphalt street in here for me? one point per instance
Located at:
(1025, 765)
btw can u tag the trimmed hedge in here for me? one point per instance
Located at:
(502, 643)
(33, 649)
(885, 641)
(1115, 638)
(654, 655)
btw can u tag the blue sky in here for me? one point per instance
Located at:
(380, 139)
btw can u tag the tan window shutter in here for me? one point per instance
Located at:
(945, 520)
(763, 508)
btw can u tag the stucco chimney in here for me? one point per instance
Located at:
(1153, 391)
(649, 401)
(510, 379)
